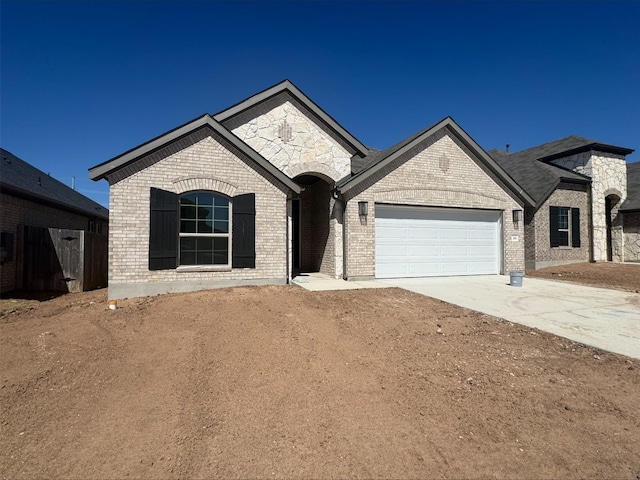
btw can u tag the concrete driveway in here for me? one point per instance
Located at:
(606, 319)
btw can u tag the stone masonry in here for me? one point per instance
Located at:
(439, 172)
(294, 143)
(288, 138)
(608, 174)
(631, 236)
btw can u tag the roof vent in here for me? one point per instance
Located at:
(507, 148)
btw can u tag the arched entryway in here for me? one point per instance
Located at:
(312, 231)
(612, 203)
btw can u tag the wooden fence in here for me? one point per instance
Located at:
(64, 260)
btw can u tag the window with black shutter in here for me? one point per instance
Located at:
(564, 227)
(201, 228)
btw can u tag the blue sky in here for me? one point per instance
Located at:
(82, 82)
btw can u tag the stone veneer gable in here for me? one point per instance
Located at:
(294, 143)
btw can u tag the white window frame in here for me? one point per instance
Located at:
(205, 235)
(561, 211)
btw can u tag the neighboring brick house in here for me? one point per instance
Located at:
(274, 186)
(31, 198)
(582, 199)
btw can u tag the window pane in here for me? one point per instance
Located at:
(187, 258)
(222, 213)
(563, 238)
(221, 243)
(187, 212)
(205, 212)
(221, 201)
(220, 258)
(204, 258)
(187, 226)
(188, 199)
(204, 243)
(205, 226)
(563, 218)
(205, 198)
(221, 227)
(187, 243)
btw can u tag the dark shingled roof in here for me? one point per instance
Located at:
(18, 177)
(537, 178)
(360, 163)
(531, 170)
(632, 202)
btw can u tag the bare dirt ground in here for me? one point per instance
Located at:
(278, 382)
(608, 275)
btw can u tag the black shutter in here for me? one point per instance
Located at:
(243, 252)
(163, 230)
(575, 227)
(553, 226)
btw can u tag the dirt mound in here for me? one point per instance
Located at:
(278, 382)
(620, 276)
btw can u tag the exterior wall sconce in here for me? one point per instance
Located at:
(517, 214)
(363, 209)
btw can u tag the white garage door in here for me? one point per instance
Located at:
(425, 242)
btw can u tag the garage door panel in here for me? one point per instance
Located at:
(391, 232)
(420, 241)
(422, 233)
(416, 251)
(420, 267)
(453, 251)
(394, 250)
(482, 251)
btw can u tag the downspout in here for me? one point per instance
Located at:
(590, 232)
(288, 239)
(345, 249)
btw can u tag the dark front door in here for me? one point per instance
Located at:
(608, 207)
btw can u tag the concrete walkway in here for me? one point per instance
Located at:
(320, 282)
(602, 318)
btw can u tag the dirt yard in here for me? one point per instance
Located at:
(607, 275)
(278, 382)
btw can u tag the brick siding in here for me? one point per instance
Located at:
(539, 251)
(439, 172)
(204, 165)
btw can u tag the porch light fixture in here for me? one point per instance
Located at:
(516, 215)
(363, 209)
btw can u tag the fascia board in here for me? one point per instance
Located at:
(598, 147)
(100, 171)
